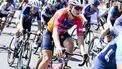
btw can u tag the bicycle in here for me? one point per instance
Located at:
(96, 46)
(38, 38)
(22, 52)
(63, 61)
(88, 33)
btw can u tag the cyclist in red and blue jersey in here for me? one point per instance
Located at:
(57, 32)
(90, 9)
(111, 55)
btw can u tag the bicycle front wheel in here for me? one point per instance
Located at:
(11, 57)
(24, 56)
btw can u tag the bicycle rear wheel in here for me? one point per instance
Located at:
(92, 50)
(24, 57)
(11, 57)
(88, 37)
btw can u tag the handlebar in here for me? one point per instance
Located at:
(54, 58)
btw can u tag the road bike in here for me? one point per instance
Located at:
(62, 61)
(22, 52)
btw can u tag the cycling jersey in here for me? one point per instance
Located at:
(113, 13)
(26, 12)
(112, 53)
(60, 19)
(117, 26)
(27, 21)
(106, 58)
(4, 9)
(46, 13)
(87, 12)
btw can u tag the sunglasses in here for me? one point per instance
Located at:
(35, 9)
(78, 8)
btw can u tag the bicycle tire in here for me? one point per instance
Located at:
(38, 45)
(39, 61)
(73, 35)
(10, 53)
(24, 56)
(88, 37)
(92, 47)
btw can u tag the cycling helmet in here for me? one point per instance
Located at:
(96, 2)
(36, 3)
(54, 2)
(76, 2)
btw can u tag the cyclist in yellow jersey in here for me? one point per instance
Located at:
(57, 32)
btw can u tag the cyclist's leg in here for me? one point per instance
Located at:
(47, 50)
(3, 19)
(68, 43)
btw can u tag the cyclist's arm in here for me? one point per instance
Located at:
(80, 36)
(97, 15)
(118, 24)
(20, 25)
(57, 22)
(55, 36)
(110, 14)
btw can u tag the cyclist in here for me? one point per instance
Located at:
(57, 31)
(91, 9)
(22, 4)
(6, 10)
(111, 56)
(49, 10)
(28, 13)
(113, 14)
(46, 13)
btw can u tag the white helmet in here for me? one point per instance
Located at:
(76, 2)
(36, 3)
(53, 2)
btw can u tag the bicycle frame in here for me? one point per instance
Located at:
(63, 63)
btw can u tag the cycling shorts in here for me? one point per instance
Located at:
(3, 15)
(48, 43)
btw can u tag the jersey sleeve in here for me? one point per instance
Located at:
(110, 12)
(25, 10)
(59, 17)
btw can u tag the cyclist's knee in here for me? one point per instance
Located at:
(69, 44)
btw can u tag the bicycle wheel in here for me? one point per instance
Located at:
(92, 50)
(39, 44)
(88, 37)
(39, 61)
(74, 36)
(24, 56)
(11, 57)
